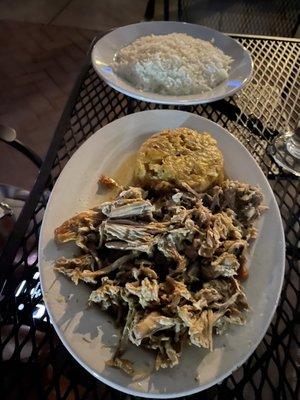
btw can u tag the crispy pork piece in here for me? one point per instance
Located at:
(221, 227)
(107, 294)
(122, 363)
(75, 268)
(245, 200)
(127, 208)
(146, 291)
(167, 356)
(126, 235)
(109, 182)
(149, 325)
(83, 222)
(133, 192)
(224, 265)
(199, 324)
(144, 269)
(81, 262)
(78, 268)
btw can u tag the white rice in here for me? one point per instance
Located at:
(174, 64)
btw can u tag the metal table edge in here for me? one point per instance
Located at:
(263, 37)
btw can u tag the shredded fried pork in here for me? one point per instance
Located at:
(168, 265)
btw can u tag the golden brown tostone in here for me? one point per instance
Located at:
(181, 155)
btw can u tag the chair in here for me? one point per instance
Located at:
(13, 198)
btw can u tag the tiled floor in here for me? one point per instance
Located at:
(101, 15)
(38, 66)
(38, 11)
(88, 14)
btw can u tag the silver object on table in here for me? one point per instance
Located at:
(286, 150)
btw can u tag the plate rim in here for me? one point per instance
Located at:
(253, 346)
(169, 99)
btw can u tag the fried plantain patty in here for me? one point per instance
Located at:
(176, 156)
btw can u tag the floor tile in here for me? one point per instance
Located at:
(15, 169)
(35, 82)
(101, 15)
(42, 11)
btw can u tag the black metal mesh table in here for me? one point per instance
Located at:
(34, 362)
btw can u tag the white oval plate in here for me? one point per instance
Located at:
(105, 49)
(88, 333)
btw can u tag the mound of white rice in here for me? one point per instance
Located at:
(172, 64)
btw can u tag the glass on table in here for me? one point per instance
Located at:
(286, 150)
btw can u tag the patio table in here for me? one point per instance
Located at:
(35, 364)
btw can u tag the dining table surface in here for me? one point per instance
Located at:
(35, 364)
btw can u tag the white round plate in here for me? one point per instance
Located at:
(88, 333)
(106, 48)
